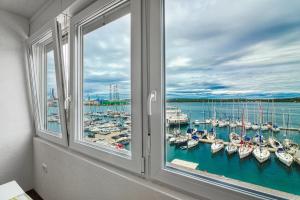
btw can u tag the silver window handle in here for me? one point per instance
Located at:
(151, 98)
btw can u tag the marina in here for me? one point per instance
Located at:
(260, 166)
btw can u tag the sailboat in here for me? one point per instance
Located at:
(211, 135)
(261, 153)
(284, 157)
(246, 148)
(192, 143)
(231, 148)
(274, 143)
(234, 138)
(217, 145)
(232, 124)
(297, 157)
(274, 127)
(290, 146)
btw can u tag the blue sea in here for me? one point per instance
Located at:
(272, 174)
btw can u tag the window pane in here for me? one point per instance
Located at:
(52, 109)
(107, 85)
(233, 90)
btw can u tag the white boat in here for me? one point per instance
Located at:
(239, 123)
(245, 150)
(274, 143)
(248, 125)
(264, 127)
(214, 123)
(284, 157)
(255, 127)
(207, 121)
(231, 148)
(217, 146)
(174, 116)
(197, 122)
(234, 138)
(275, 129)
(297, 157)
(232, 125)
(290, 146)
(180, 141)
(211, 135)
(261, 154)
(259, 139)
(222, 124)
(172, 140)
(192, 143)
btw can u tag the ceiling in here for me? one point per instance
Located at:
(25, 8)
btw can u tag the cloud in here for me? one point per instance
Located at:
(226, 43)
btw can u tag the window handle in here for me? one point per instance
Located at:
(151, 98)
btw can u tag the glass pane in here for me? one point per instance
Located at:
(52, 109)
(107, 85)
(233, 91)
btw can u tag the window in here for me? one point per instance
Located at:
(52, 122)
(228, 111)
(46, 84)
(106, 94)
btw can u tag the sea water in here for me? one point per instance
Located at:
(272, 173)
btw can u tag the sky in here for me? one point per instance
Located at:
(232, 49)
(214, 49)
(51, 78)
(106, 53)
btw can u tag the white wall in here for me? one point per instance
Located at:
(71, 176)
(15, 122)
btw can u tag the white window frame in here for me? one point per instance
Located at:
(46, 35)
(189, 181)
(135, 161)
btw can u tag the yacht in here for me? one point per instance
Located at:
(297, 157)
(255, 127)
(192, 143)
(174, 116)
(245, 150)
(261, 154)
(284, 157)
(234, 138)
(274, 143)
(290, 146)
(231, 148)
(217, 146)
(211, 135)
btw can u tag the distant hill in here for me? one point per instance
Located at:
(297, 100)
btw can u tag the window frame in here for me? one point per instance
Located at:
(187, 180)
(37, 45)
(135, 162)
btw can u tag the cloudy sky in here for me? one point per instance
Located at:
(51, 79)
(214, 48)
(107, 59)
(231, 48)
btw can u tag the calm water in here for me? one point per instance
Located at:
(272, 174)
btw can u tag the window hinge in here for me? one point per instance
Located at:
(67, 103)
(143, 160)
(149, 144)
